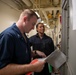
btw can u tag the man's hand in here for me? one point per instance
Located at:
(37, 65)
(40, 53)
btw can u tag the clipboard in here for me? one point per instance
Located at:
(55, 59)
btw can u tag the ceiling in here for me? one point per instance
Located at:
(49, 10)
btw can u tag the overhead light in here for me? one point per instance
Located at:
(42, 21)
(37, 14)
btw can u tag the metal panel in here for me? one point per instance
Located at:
(72, 42)
(65, 33)
(68, 39)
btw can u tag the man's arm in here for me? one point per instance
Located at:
(15, 69)
(37, 52)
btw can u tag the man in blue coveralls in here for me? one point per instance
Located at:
(15, 52)
(43, 43)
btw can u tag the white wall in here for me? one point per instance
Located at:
(8, 16)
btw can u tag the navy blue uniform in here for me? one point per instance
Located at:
(13, 47)
(45, 45)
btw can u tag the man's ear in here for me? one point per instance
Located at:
(25, 18)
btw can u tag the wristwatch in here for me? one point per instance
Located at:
(35, 52)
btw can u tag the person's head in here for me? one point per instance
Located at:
(27, 20)
(40, 28)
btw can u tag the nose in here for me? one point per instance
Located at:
(42, 28)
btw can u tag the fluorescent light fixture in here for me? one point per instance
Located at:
(42, 21)
(37, 14)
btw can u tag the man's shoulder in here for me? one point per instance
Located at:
(34, 36)
(7, 32)
(48, 36)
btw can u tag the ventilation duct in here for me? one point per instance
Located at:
(27, 2)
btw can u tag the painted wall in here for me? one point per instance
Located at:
(8, 16)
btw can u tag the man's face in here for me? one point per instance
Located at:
(30, 24)
(40, 28)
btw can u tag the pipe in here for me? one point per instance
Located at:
(27, 2)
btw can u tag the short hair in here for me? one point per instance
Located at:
(29, 13)
(38, 24)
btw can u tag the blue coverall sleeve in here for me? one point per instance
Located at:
(6, 50)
